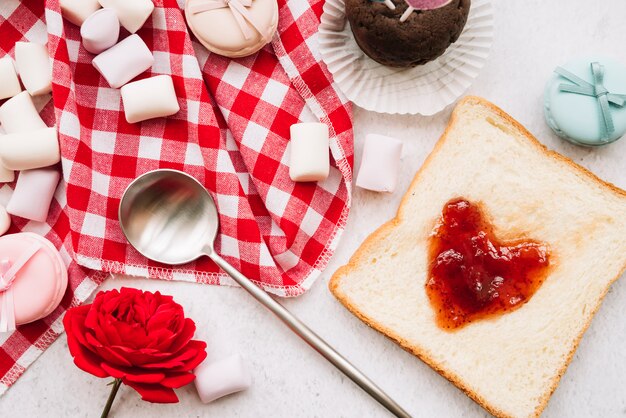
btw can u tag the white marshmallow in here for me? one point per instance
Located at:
(380, 163)
(9, 83)
(309, 159)
(6, 175)
(132, 13)
(221, 378)
(100, 31)
(28, 150)
(149, 98)
(33, 194)
(33, 65)
(124, 61)
(19, 114)
(76, 11)
(5, 220)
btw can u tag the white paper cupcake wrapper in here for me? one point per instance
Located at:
(425, 89)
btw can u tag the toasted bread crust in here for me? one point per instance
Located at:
(383, 230)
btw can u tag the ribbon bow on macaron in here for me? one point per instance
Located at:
(240, 13)
(8, 274)
(596, 90)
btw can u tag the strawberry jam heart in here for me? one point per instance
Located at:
(473, 275)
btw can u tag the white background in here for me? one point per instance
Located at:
(289, 379)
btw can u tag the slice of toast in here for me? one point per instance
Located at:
(510, 364)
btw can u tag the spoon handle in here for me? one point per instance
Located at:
(311, 337)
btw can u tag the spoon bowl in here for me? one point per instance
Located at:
(169, 217)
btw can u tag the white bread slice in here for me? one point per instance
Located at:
(512, 363)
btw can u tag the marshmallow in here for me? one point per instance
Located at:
(19, 114)
(6, 175)
(28, 150)
(132, 13)
(380, 163)
(33, 194)
(309, 159)
(221, 378)
(149, 98)
(123, 62)
(77, 11)
(100, 31)
(33, 65)
(9, 84)
(5, 220)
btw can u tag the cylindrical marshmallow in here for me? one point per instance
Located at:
(309, 160)
(5, 220)
(33, 194)
(100, 31)
(19, 114)
(380, 163)
(9, 84)
(77, 11)
(132, 14)
(6, 175)
(33, 65)
(28, 150)
(124, 61)
(149, 98)
(221, 378)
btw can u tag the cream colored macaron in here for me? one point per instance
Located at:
(233, 28)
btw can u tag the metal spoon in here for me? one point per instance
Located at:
(169, 217)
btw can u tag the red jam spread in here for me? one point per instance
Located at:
(472, 274)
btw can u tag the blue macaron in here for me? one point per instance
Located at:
(574, 107)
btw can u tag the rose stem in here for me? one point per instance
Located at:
(114, 389)
(406, 14)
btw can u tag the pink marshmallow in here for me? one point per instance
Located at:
(9, 84)
(76, 11)
(33, 64)
(5, 220)
(124, 61)
(149, 98)
(33, 194)
(18, 114)
(221, 378)
(100, 31)
(380, 163)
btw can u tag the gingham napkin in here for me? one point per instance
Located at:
(231, 134)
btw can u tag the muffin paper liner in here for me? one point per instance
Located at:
(426, 89)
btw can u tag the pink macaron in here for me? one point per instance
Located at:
(39, 284)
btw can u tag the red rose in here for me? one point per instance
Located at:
(141, 338)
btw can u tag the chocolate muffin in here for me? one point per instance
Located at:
(424, 36)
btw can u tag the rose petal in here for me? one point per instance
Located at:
(140, 357)
(91, 340)
(186, 334)
(74, 320)
(178, 360)
(178, 380)
(110, 356)
(153, 392)
(87, 361)
(133, 374)
(199, 358)
(200, 354)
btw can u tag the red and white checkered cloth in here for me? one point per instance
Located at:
(232, 134)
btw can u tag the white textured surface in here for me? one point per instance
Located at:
(290, 380)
